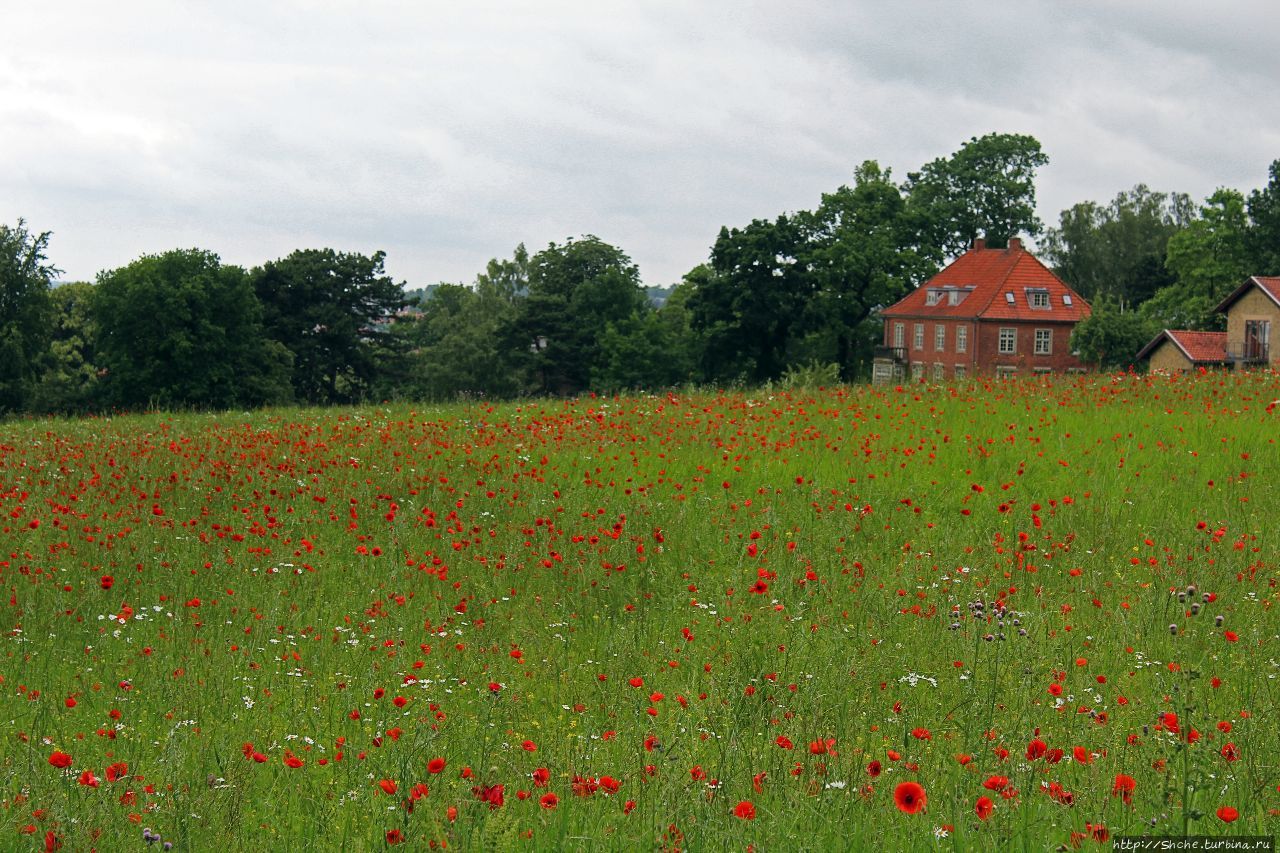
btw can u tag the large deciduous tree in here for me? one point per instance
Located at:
(1264, 235)
(182, 329)
(749, 298)
(330, 310)
(1208, 259)
(25, 311)
(69, 381)
(986, 189)
(863, 252)
(1118, 251)
(574, 292)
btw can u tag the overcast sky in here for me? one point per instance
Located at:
(446, 133)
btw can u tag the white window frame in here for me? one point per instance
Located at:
(917, 339)
(962, 338)
(899, 335)
(961, 371)
(1038, 298)
(1045, 337)
(1007, 341)
(939, 371)
(939, 338)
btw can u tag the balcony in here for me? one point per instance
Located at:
(897, 355)
(1248, 352)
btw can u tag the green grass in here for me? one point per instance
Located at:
(865, 573)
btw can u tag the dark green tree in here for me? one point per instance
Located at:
(746, 303)
(647, 351)
(1111, 338)
(986, 189)
(862, 252)
(25, 312)
(1208, 259)
(1264, 233)
(182, 329)
(574, 292)
(1118, 250)
(454, 347)
(331, 310)
(69, 380)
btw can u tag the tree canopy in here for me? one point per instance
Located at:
(26, 277)
(181, 329)
(330, 310)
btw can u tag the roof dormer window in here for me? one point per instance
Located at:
(955, 297)
(1038, 298)
(1066, 299)
(932, 296)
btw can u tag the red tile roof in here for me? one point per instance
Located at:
(990, 276)
(1268, 284)
(1198, 347)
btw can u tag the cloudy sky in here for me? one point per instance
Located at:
(446, 133)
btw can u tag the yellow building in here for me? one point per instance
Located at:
(1178, 351)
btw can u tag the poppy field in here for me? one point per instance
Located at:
(1026, 614)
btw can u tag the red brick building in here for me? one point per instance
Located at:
(995, 312)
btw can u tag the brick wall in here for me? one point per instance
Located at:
(1024, 359)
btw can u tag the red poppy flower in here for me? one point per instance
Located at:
(984, 807)
(394, 836)
(745, 810)
(435, 765)
(117, 771)
(549, 801)
(60, 759)
(388, 786)
(1227, 814)
(1036, 748)
(491, 794)
(909, 797)
(873, 769)
(1124, 786)
(996, 783)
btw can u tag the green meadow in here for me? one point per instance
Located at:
(1015, 615)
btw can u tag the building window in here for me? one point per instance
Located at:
(918, 342)
(917, 370)
(961, 371)
(1038, 298)
(962, 338)
(1257, 339)
(955, 297)
(939, 372)
(940, 337)
(1008, 341)
(932, 296)
(1044, 341)
(899, 335)
(1005, 372)
(1042, 371)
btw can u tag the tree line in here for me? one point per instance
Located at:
(792, 296)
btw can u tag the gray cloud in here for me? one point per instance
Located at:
(447, 133)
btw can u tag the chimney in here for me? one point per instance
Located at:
(1015, 244)
(979, 244)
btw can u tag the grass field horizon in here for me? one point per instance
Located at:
(1022, 615)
